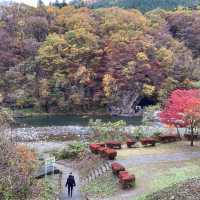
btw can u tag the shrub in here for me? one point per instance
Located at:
(138, 132)
(107, 131)
(157, 133)
(17, 164)
(73, 151)
(149, 114)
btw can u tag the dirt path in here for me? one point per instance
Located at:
(66, 170)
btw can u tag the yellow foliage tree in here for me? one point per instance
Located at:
(148, 90)
(165, 56)
(142, 57)
(108, 84)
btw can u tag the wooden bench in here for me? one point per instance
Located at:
(94, 148)
(148, 141)
(130, 143)
(101, 151)
(109, 153)
(116, 168)
(126, 179)
(114, 144)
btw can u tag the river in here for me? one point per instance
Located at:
(71, 120)
(39, 127)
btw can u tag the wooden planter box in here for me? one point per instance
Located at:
(116, 168)
(113, 145)
(130, 143)
(126, 179)
(148, 141)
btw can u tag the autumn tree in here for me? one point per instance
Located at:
(37, 27)
(183, 110)
(89, 59)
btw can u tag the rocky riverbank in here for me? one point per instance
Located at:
(28, 134)
(51, 132)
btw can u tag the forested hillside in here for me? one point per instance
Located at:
(65, 60)
(142, 5)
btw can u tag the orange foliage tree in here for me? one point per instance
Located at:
(17, 165)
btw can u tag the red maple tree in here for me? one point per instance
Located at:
(182, 110)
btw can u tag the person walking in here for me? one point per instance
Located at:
(70, 184)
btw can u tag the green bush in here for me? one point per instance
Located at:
(148, 116)
(103, 131)
(157, 133)
(73, 151)
(138, 133)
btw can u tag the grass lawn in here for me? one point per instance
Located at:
(49, 188)
(105, 186)
(155, 177)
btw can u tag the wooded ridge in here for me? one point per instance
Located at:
(110, 59)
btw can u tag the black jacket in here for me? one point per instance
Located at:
(70, 181)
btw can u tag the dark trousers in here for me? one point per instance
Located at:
(70, 190)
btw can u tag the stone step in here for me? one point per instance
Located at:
(106, 166)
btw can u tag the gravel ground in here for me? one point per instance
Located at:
(43, 147)
(189, 190)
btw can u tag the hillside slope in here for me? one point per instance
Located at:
(71, 60)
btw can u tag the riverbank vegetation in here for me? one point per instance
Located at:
(108, 60)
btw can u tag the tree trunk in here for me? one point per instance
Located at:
(192, 136)
(178, 132)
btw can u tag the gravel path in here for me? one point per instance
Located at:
(65, 173)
